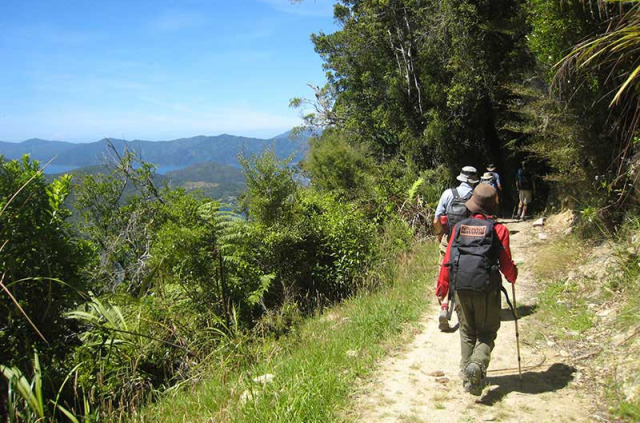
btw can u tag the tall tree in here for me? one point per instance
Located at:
(419, 79)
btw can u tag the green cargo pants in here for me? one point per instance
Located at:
(479, 317)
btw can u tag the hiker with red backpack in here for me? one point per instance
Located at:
(477, 252)
(451, 209)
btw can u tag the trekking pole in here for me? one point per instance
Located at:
(515, 314)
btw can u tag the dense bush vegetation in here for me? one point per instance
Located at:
(40, 267)
(169, 277)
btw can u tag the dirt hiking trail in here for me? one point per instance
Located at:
(420, 383)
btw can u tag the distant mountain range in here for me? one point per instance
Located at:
(222, 149)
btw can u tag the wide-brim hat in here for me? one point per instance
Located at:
(468, 174)
(486, 176)
(484, 200)
(491, 167)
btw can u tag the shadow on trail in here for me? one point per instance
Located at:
(523, 310)
(555, 377)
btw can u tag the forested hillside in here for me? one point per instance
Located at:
(216, 181)
(150, 291)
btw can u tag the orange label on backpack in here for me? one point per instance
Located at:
(473, 231)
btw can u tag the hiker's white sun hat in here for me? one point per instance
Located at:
(468, 174)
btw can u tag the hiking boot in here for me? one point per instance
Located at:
(443, 322)
(476, 391)
(474, 379)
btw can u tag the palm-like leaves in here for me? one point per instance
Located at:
(29, 392)
(612, 58)
(615, 54)
(105, 318)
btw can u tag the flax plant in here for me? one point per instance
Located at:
(615, 55)
(26, 402)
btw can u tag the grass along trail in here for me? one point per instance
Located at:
(420, 382)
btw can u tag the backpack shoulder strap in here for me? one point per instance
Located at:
(454, 190)
(468, 195)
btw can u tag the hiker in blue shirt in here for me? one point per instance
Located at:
(468, 178)
(451, 210)
(496, 182)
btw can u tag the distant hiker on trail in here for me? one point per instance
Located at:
(497, 183)
(451, 210)
(487, 178)
(477, 251)
(524, 185)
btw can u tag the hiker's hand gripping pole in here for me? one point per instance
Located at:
(451, 304)
(515, 314)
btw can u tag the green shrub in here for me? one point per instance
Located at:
(271, 194)
(315, 247)
(626, 410)
(184, 251)
(340, 165)
(346, 243)
(40, 263)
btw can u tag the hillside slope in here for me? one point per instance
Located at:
(212, 179)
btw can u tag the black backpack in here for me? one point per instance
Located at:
(474, 256)
(456, 210)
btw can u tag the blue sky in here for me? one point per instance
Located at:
(81, 70)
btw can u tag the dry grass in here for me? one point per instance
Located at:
(553, 260)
